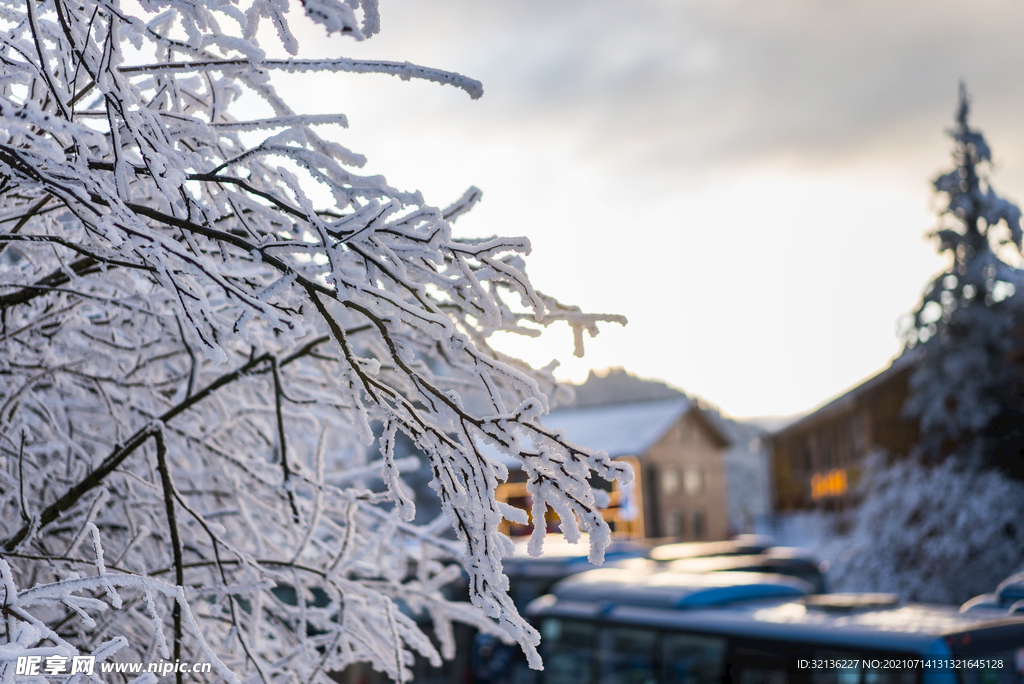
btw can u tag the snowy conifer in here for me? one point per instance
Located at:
(938, 525)
(194, 349)
(967, 390)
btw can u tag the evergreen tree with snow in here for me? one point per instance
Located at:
(967, 390)
(944, 524)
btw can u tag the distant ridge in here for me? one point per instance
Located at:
(619, 386)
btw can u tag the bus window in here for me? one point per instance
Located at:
(994, 655)
(859, 668)
(630, 656)
(567, 647)
(846, 668)
(891, 675)
(993, 668)
(758, 663)
(693, 659)
(763, 675)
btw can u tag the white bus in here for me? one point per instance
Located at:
(650, 626)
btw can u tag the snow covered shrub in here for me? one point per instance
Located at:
(967, 390)
(934, 533)
(193, 349)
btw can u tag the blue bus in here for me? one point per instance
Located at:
(653, 626)
(531, 577)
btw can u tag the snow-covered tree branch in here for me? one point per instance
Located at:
(196, 346)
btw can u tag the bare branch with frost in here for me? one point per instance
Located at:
(205, 320)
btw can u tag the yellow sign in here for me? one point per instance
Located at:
(832, 483)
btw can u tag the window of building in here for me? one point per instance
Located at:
(693, 480)
(675, 524)
(698, 524)
(670, 481)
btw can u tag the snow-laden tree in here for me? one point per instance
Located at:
(195, 345)
(967, 389)
(942, 524)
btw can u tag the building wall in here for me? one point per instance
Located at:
(819, 460)
(684, 483)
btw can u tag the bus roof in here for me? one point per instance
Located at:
(561, 559)
(836, 620)
(742, 545)
(640, 586)
(734, 563)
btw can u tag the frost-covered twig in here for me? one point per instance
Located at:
(198, 347)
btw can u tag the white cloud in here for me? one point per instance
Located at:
(747, 182)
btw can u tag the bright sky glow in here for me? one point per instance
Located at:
(750, 191)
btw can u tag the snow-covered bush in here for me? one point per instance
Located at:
(967, 389)
(194, 348)
(930, 532)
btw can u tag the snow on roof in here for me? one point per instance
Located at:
(627, 429)
(619, 429)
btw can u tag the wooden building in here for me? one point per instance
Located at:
(678, 453)
(819, 459)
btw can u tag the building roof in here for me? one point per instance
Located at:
(619, 429)
(848, 399)
(627, 429)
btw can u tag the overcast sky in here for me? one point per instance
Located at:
(747, 181)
